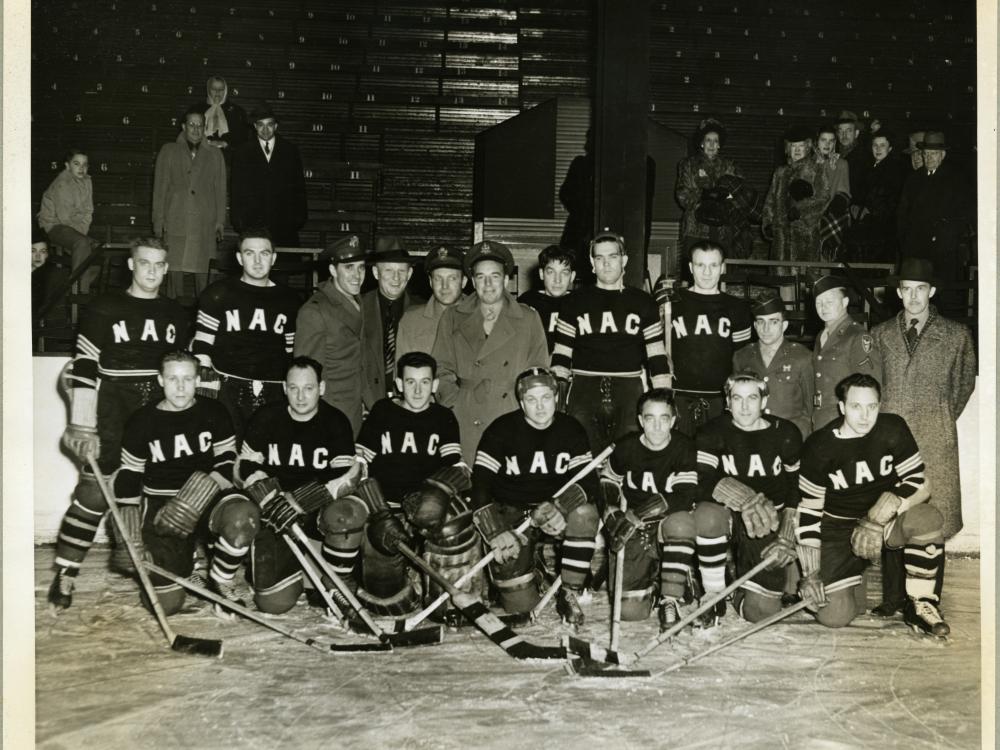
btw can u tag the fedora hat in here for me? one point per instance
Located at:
(933, 139)
(914, 269)
(389, 249)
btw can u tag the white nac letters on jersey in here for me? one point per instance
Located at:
(409, 444)
(120, 331)
(539, 465)
(702, 327)
(755, 466)
(258, 321)
(862, 473)
(181, 447)
(296, 456)
(646, 482)
(608, 323)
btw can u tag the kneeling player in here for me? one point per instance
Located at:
(655, 473)
(523, 459)
(749, 461)
(297, 458)
(412, 449)
(862, 485)
(177, 456)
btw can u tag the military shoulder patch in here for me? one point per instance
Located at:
(867, 342)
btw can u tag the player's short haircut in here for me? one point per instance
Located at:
(745, 377)
(178, 355)
(857, 380)
(660, 395)
(153, 242)
(416, 360)
(194, 109)
(262, 233)
(73, 151)
(557, 254)
(707, 246)
(303, 362)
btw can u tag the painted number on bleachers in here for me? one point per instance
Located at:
(317, 127)
(125, 120)
(308, 173)
(326, 96)
(355, 174)
(345, 226)
(291, 64)
(281, 94)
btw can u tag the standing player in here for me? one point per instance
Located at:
(412, 449)
(706, 327)
(297, 457)
(748, 460)
(523, 459)
(245, 332)
(555, 269)
(863, 487)
(606, 334)
(655, 471)
(123, 336)
(177, 458)
(786, 367)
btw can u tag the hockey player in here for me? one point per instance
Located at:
(297, 457)
(523, 459)
(555, 269)
(177, 459)
(748, 460)
(862, 486)
(707, 327)
(606, 334)
(245, 332)
(122, 337)
(412, 449)
(655, 471)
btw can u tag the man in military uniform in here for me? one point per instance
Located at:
(842, 347)
(785, 366)
(418, 326)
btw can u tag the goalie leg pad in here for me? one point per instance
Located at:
(453, 559)
(638, 579)
(274, 573)
(636, 604)
(170, 553)
(236, 519)
(180, 514)
(677, 556)
(385, 583)
(342, 522)
(121, 560)
(516, 580)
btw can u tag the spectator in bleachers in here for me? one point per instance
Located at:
(189, 202)
(800, 192)
(225, 121)
(826, 153)
(67, 210)
(872, 235)
(705, 183)
(916, 155)
(936, 212)
(268, 184)
(852, 146)
(46, 279)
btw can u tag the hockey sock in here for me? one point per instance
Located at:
(577, 552)
(922, 564)
(76, 535)
(342, 559)
(676, 561)
(712, 562)
(226, 561)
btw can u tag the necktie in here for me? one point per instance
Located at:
(267, 149)
(390, 345)
(911, 335)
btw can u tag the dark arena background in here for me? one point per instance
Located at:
(448, 123)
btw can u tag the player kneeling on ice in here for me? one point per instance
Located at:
(862, 485)
(523, 459)
(177, 458)
(655, 471)
(297, 459)
(412, 449)
(748, 460)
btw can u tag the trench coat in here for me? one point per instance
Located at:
(478, 372)
(929, 389)
(189, 203)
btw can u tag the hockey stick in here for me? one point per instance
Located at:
(314, 579)
(546, 598)
(260, 620)
(184, 644)
(477, 613)
(423, 614)
(781, 614)
(616, 605)
(422, 637)
(593, 656)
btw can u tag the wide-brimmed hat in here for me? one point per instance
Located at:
(933, 139)
(262, 111)
(389, 249)
(489, 250)
(345, 250)
(914, 269)
(915, 137)
(798, 134)
(846, 116)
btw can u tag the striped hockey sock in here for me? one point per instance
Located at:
(676, 562)
(226, 561)
(712, 562)
(922, 563)
(577, 552)
(76, 535)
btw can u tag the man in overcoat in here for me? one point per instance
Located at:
(928, 375)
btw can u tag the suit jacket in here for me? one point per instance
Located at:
(272, 193)
(329, 329)
(373, 356)
(790, 381)
(478, 372)
(929, 389)
(189, 203)
(934, 212)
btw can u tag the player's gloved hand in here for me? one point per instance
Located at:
(208, 382)
(506, 545)
(548, 518)
(621, 526)
(280, 512)
(386, 532)
(758, 513)
(783, 548)
(561, 372)
(81, 441)
(812, 591)
(885, 508)
(346, 483)
(800, 190)
(866, 540)
(505, 542)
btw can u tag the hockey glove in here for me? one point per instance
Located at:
(550, 516)
(783, 548)
(759, 515)
(208, 382)
(386, 533)
(811, 587)
(505, 542)
(345, 483)
(428, 508)
(866, 540)
(81, 441)
(179, 516)
(262, 491)
(285, 508)
(621, 526)
(885, 508)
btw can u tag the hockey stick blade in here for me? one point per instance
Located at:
(580, 667)
(185, 644)
(476, 612)
(592, 653)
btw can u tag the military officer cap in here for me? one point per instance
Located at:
(768, 306)
(829, 282)
(489, 250)
(345, 250)
(443, 257)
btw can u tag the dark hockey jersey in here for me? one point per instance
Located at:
(295, 452)
(125, 336)
(705, 331)
(245, 330)
(765, 460)
(610, 332)
(548, 310)
(402, 448)
(642, 472)
(843, 477)
(521, 466)
(161, 449)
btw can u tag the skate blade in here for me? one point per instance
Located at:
(580, 667)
